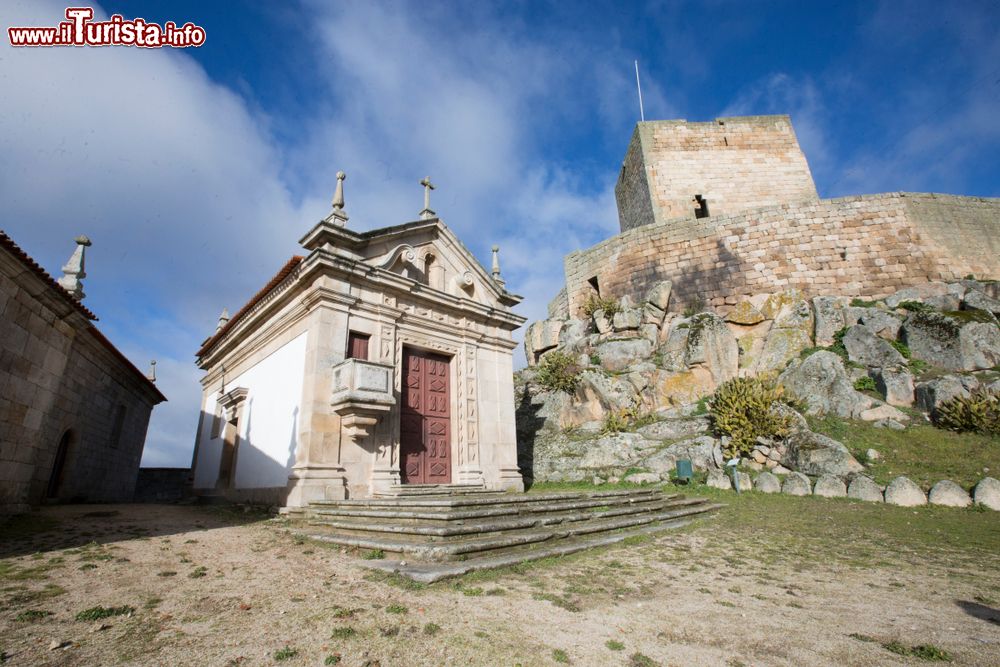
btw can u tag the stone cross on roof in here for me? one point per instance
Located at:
(427, 213)
(73, 271)
(338, 216)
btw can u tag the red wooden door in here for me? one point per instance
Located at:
(425, 420)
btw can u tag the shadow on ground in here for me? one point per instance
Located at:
(980, 611)
(71, 526)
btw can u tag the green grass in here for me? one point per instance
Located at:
(374, 554)
(922, 452)
(922, 651)
(286, 653)
(32, 615)
(560, 656)
(614, 645)
(344, 632)
(432, 629)
(97, 613)
(397, 609)
(333, 659)
(858, 534)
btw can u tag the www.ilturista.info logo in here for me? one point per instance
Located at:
(80, 30)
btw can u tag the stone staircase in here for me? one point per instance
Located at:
(432, 532)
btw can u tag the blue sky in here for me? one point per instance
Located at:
(195, 171)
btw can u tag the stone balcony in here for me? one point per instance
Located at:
(362, 392)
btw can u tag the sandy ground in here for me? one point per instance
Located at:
(214, 586)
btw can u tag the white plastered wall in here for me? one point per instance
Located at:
(269, 424)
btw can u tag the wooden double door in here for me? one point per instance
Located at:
(425, 419)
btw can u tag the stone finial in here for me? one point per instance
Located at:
(496, 266)
(223, 319)
(73, 271)
(338, 216)
(427, 213)
(152, 371)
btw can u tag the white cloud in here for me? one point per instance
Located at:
(186, 194)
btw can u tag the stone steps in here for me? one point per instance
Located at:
(502, 544)
(420, 513)
(487, 525)
(414, 490)
(429, 572)
(432, 528)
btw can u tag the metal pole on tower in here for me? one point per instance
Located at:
(642, 116)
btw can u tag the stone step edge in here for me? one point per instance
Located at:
(506, 498)
(503, 523)
(436, 551)
(426, 513)
(428, 573)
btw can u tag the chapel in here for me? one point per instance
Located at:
(372, 360)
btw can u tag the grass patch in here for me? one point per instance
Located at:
(559, 601)
(97, 613)
(343, 632)
(333, 659)
(614, 645)
(374, 554)
(31, 615)
(286, 653)
(432, 629)
(923, 651)
(640, 660)
(922, 452)
(198, 572)
(22, 526)
(397, 609)
(560, 656)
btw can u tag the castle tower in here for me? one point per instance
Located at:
(676, 169)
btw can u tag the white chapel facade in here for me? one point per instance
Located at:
(376, 359)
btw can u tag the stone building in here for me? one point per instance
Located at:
(73, 409)
(728, 208)
(376, 359)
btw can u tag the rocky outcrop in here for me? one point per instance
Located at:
(932, 393)
(821, 382)
(895, 384)
(865, 348)
(951, 341)
(639, 359)
(815, 454)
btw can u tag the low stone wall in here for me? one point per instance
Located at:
(900, 491)
(162, 485)
(868, 245)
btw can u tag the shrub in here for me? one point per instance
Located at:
(559, 372)
(615, 421)
(741, 409)
(596, 302)
(979, 412)
(864, 384)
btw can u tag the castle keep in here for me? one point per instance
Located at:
(728, 208)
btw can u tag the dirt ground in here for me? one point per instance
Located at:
(219, 586)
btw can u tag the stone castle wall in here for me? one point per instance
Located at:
(735, 164)
(869, 245)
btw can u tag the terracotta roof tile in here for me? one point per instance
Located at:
(227, 327)
(7, 243)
